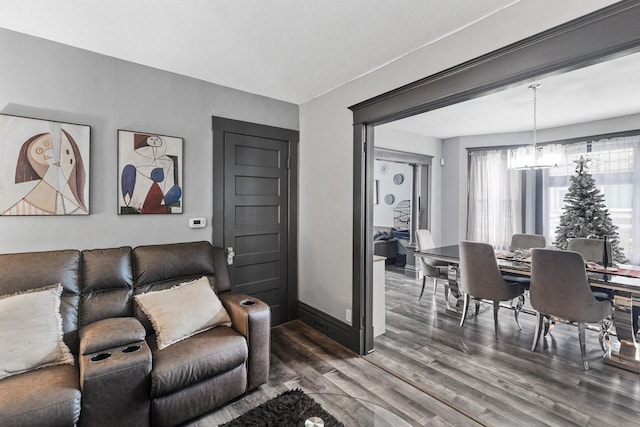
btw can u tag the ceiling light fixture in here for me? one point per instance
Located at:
(535, 156)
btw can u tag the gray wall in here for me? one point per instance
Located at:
(47, 80)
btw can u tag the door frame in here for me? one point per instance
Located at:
(222, 125)
(604, 34)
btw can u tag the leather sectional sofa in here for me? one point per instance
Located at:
(120, 377)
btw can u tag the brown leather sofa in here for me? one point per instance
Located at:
(120, 377)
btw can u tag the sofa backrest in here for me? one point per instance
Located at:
(101, 283)
(158, 267)
(106, 284)
(24, 271)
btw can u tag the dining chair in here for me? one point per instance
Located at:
(592, 250)
(431, 268)
(480, 278)
(527, 241)
(560, 288)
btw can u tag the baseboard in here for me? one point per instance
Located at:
(411, 271)
(338, 331)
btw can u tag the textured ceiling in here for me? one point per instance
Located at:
(293, 50)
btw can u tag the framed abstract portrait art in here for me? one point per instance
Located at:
(149, 173)
(44, 167)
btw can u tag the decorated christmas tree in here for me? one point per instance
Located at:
(585, 213)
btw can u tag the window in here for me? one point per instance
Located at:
(616, 170)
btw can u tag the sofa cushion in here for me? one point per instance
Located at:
(182, 311)
(32, 270)
(107, 284)
(31, 331)
(195, 359)
(158, 263)
(48, 396)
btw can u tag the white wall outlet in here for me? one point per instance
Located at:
(197, 222)
(347, 316)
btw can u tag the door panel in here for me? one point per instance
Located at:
(256, 218)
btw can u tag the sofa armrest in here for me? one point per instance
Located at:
(251, 318)
(115, 369)
(109, 333)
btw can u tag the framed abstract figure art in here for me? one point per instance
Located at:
(44, 167)
(149, 173)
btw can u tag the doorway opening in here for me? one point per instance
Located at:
(597, 37)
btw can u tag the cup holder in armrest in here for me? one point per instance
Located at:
(248, 302)
(100, 356)
(131, 348)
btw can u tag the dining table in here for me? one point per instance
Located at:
(622, 280)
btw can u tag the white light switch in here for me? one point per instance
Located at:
(197, 222)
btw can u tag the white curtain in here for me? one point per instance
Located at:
(495, 199)
(616, 170)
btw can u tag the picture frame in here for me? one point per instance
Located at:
(44, 167)
(149, 173)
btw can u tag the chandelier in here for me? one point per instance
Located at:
(536, 156)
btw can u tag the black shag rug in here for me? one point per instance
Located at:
(289, 409)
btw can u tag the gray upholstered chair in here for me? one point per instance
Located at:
(480, 278)
(560, 288)
(590, 249)
(431, 268)
(527, 241)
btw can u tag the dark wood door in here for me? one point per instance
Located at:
(256, 197)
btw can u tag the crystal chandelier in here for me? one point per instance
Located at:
(536, 156)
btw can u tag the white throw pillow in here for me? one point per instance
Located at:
(183, 311)
(31, 331)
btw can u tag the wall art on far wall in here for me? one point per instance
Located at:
(44, 167)
(149, 173)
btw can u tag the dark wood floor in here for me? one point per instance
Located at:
(429, 371)
(500, 382)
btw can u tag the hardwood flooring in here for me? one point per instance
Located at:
(430, 372)
(500, 382)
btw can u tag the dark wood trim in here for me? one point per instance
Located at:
(596, 37)
(425, 194)
(220, 126)
(362, 304)
(330, 326)
(293, 229)
(602, 35)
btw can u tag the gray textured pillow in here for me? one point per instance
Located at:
(183, 311)
(31, 331)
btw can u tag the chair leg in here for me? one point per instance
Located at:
(603, 338)
(549, 324)
(583, 346)
(424, 279)
(435, 285)
(465, 307)
(539, 327)
(517, 308)
(496, 307)
(446, 296)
